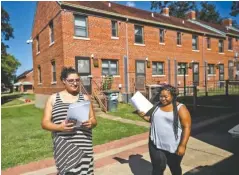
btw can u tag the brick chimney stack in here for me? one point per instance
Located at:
(191, 15)
(165, 11)
(227, 22)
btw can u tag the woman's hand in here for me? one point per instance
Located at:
(181, 150)
(88, 124)
(141, 114)
(64, 126)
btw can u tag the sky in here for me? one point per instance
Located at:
(21, 18)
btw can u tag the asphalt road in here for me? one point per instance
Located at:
(217, 135)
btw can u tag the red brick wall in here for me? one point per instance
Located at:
(66, 48)
(46, 12)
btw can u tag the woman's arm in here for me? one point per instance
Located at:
(142, 115)
(46, 122)
(185, 120)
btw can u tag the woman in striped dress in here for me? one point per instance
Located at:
(73, 150)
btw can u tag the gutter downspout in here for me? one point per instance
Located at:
(205, 66)
(127, 85)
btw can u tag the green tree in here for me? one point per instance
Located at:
(9, 63)
(209, 13)
(235, 8)
(176, 8)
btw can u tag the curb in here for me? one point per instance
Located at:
(47, 163)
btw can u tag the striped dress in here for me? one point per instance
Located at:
(73, 151)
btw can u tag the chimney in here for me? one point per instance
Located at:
(152, 14)
(227, 22)
(191, 15)
(109, 4)
(165, 11)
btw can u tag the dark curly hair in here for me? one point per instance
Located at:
(66, 71)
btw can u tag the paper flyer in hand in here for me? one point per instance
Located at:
(78, 113)
(141, 103)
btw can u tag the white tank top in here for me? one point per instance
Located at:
(161, 131)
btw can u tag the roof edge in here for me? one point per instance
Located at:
(134, 18)
(208, 27)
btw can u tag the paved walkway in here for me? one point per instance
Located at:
(130, 155)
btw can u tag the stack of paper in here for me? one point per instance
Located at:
(78, 112)
(234, 131)
(141, 103)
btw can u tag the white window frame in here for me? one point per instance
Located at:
(53, 69)
(179, 38)
(39, 74)
(142, 36)
(220, 49)
(109, 66)
(230, 40)
(208, 43)
(51, 27)
(85, 28)
(196, 44)
(161, 36)
(157, 72)
(209, 68)
(180, 72)
(114, 27)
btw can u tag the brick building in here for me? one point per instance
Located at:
(24, 82)
(137, 47)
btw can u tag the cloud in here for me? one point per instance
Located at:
(130, 4)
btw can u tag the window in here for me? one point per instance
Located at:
(39, 74)
(37, 44)
(109, 67)
(208, 43)
(195, 42)
(114, 28)
(211, 69)
(229, 43)
(220, 46)
(179, 40)
(181, 67)
(161, 35)
(81, 26)
(158, 68)
(51, 32)
(138, 34)
(53, 65)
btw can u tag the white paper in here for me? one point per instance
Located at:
(234, 131)
(141, 103)
(78, 111)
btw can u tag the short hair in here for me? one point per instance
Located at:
(66, 71)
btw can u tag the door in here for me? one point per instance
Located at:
(230, 70)
(196, 74)
(221, 72)
(140, 74)
(83, 67)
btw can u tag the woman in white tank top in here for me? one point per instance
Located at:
(169, 132)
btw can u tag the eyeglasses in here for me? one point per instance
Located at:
(72, 81)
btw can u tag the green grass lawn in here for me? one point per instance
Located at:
(126, 111)
(23, 139)
(13, 102)
(29, 96)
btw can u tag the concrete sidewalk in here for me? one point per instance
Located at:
(130, 155)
